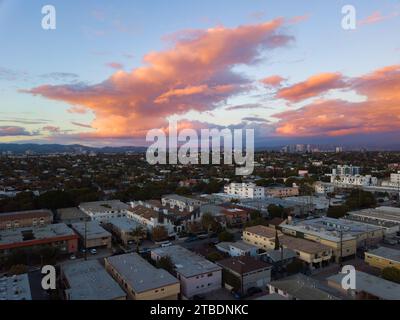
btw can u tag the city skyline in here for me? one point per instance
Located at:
(108, 74)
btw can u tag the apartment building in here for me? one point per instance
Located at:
(22, 219)
(104, 210)
(150, 218)
(140, 280)
(314, 255)
(282, 192)
(238, 248)
(343, 170)
(394, 181)
(182, 203)
(323, 187)
(56, 235)
(122, 228)
(244, 191)
(352, 181)
(71, 215)
(88, 280)
(196, 274)
(92, 234)
(341, 235)
(248, 271)
(383, 257)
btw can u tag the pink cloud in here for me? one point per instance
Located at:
(379, 113)
(194, 74)
(273, 81)
(115, 65)
(312, 87)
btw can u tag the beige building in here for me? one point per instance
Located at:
(92, 235)
(312, 253)
(282, 192)
(383, 258)
(22, 219)
(122, 228)
(141, 280)
(341, 235)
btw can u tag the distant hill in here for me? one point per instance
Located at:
(59, 148)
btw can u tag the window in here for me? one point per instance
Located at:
(209, 275)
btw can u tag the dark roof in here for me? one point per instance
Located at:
(243, 264)
(25, 214)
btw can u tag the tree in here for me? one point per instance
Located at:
(275, 211)
(137, 234)
(214, 256)
(391, 274)
(225, 236)
(166, 264)
(359, 199)
(209, 223)
(337, 212)
(295, 266)
(18, 269)
(159, 233)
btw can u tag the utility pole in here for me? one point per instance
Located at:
(341, 249)
(85, 239)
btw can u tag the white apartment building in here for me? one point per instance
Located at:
(149, 218)
(346, 170)
(104, 210)
(196, 274)
(245, 191)
(180, 202)
(357, 180)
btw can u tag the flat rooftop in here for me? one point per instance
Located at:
(124, 224)
(187, 263)
(303, 288)
(139, 273)
(378, 287)
(381, 213)
(15, 288)
(71, 213)
(104, 206)
(93, 230)
(329, 228)
(26, 214)
(88, 280)
(27, 234)
(387, 253)
(243, 264)
(263, 231)
(303, 245)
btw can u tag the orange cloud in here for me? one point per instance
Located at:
(379, 113)
(272, 81)
(194, 74)
(376, 17)
(312, 87)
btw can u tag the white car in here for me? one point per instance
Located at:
(93, 251)
(72, 257)
(166, 244)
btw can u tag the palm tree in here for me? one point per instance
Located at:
(137, 234)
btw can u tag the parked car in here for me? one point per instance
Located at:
(253, 290)
(93, 251)
(166, 244)
(191, 239)
(72, 257)
(391, 242)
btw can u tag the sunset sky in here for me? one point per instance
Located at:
(111, 71)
